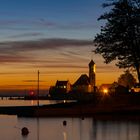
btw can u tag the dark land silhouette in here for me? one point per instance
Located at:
(126, 106)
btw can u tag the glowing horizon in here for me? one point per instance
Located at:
(66, 62)
(53, 37)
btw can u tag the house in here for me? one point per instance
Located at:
(62, 86)
(113, 88)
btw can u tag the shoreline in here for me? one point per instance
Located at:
(99, 107)
(75, 110)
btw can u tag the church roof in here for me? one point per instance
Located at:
(61, 83)
(83, 80)
(91, 63)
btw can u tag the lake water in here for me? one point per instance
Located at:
(6, 102)
(75, 129)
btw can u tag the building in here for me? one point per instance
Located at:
(82, 84)
(113, 88)
(63, 86)
(105, 88)
(92, 69)
(86, 83)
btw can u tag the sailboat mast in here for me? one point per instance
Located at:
(38, 90)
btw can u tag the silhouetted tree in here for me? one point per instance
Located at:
(119, 38)
(126, 79)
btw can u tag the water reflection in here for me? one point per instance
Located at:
(75, 129)
(27, 102)
(38, 129)
(116, 130)
(94, 123)
(65, 135)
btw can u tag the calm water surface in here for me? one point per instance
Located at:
(26, 102)
(75, 129)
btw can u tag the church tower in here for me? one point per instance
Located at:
(92, 74)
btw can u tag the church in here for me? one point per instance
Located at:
(86, 83)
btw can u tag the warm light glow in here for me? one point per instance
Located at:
(94, 68)
(31, 93)
(105, 91)
(32, 102)
(89, 88)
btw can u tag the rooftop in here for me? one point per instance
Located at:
(83, 80)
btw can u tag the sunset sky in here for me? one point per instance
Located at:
(52, 36)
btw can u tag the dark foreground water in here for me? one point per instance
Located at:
(75, 128)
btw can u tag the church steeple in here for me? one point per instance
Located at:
(92, 69)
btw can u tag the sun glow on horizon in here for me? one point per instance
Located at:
(64, 64)
(28, 80)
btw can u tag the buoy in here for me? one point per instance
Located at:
(83, 118)
(64, 123)
(24, 131)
